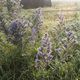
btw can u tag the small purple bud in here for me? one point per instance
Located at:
(65, 45)
(58, 50)
(69, 33)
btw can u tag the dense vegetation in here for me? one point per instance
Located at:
(29, 50)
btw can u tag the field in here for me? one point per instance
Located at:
(39, 44)
(50, 14)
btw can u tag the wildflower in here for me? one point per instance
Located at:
(44, 52)
(37, 23)
(14, 8)
(58, 50)
(61, 18)
(37, 63)
(71, 36)
(65, 45)
(33, 36)
(16, 31)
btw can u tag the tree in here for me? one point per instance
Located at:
(35, 3)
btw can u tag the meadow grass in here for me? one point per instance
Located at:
(18, 62)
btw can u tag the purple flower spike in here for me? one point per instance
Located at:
(37, 23)
(16, 31)
(44, 52)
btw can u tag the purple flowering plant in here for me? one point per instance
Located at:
(43, 56)
(65, 40)
(37, 21)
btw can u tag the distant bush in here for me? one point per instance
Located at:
(35, 4)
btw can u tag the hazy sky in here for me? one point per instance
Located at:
(67, 0)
